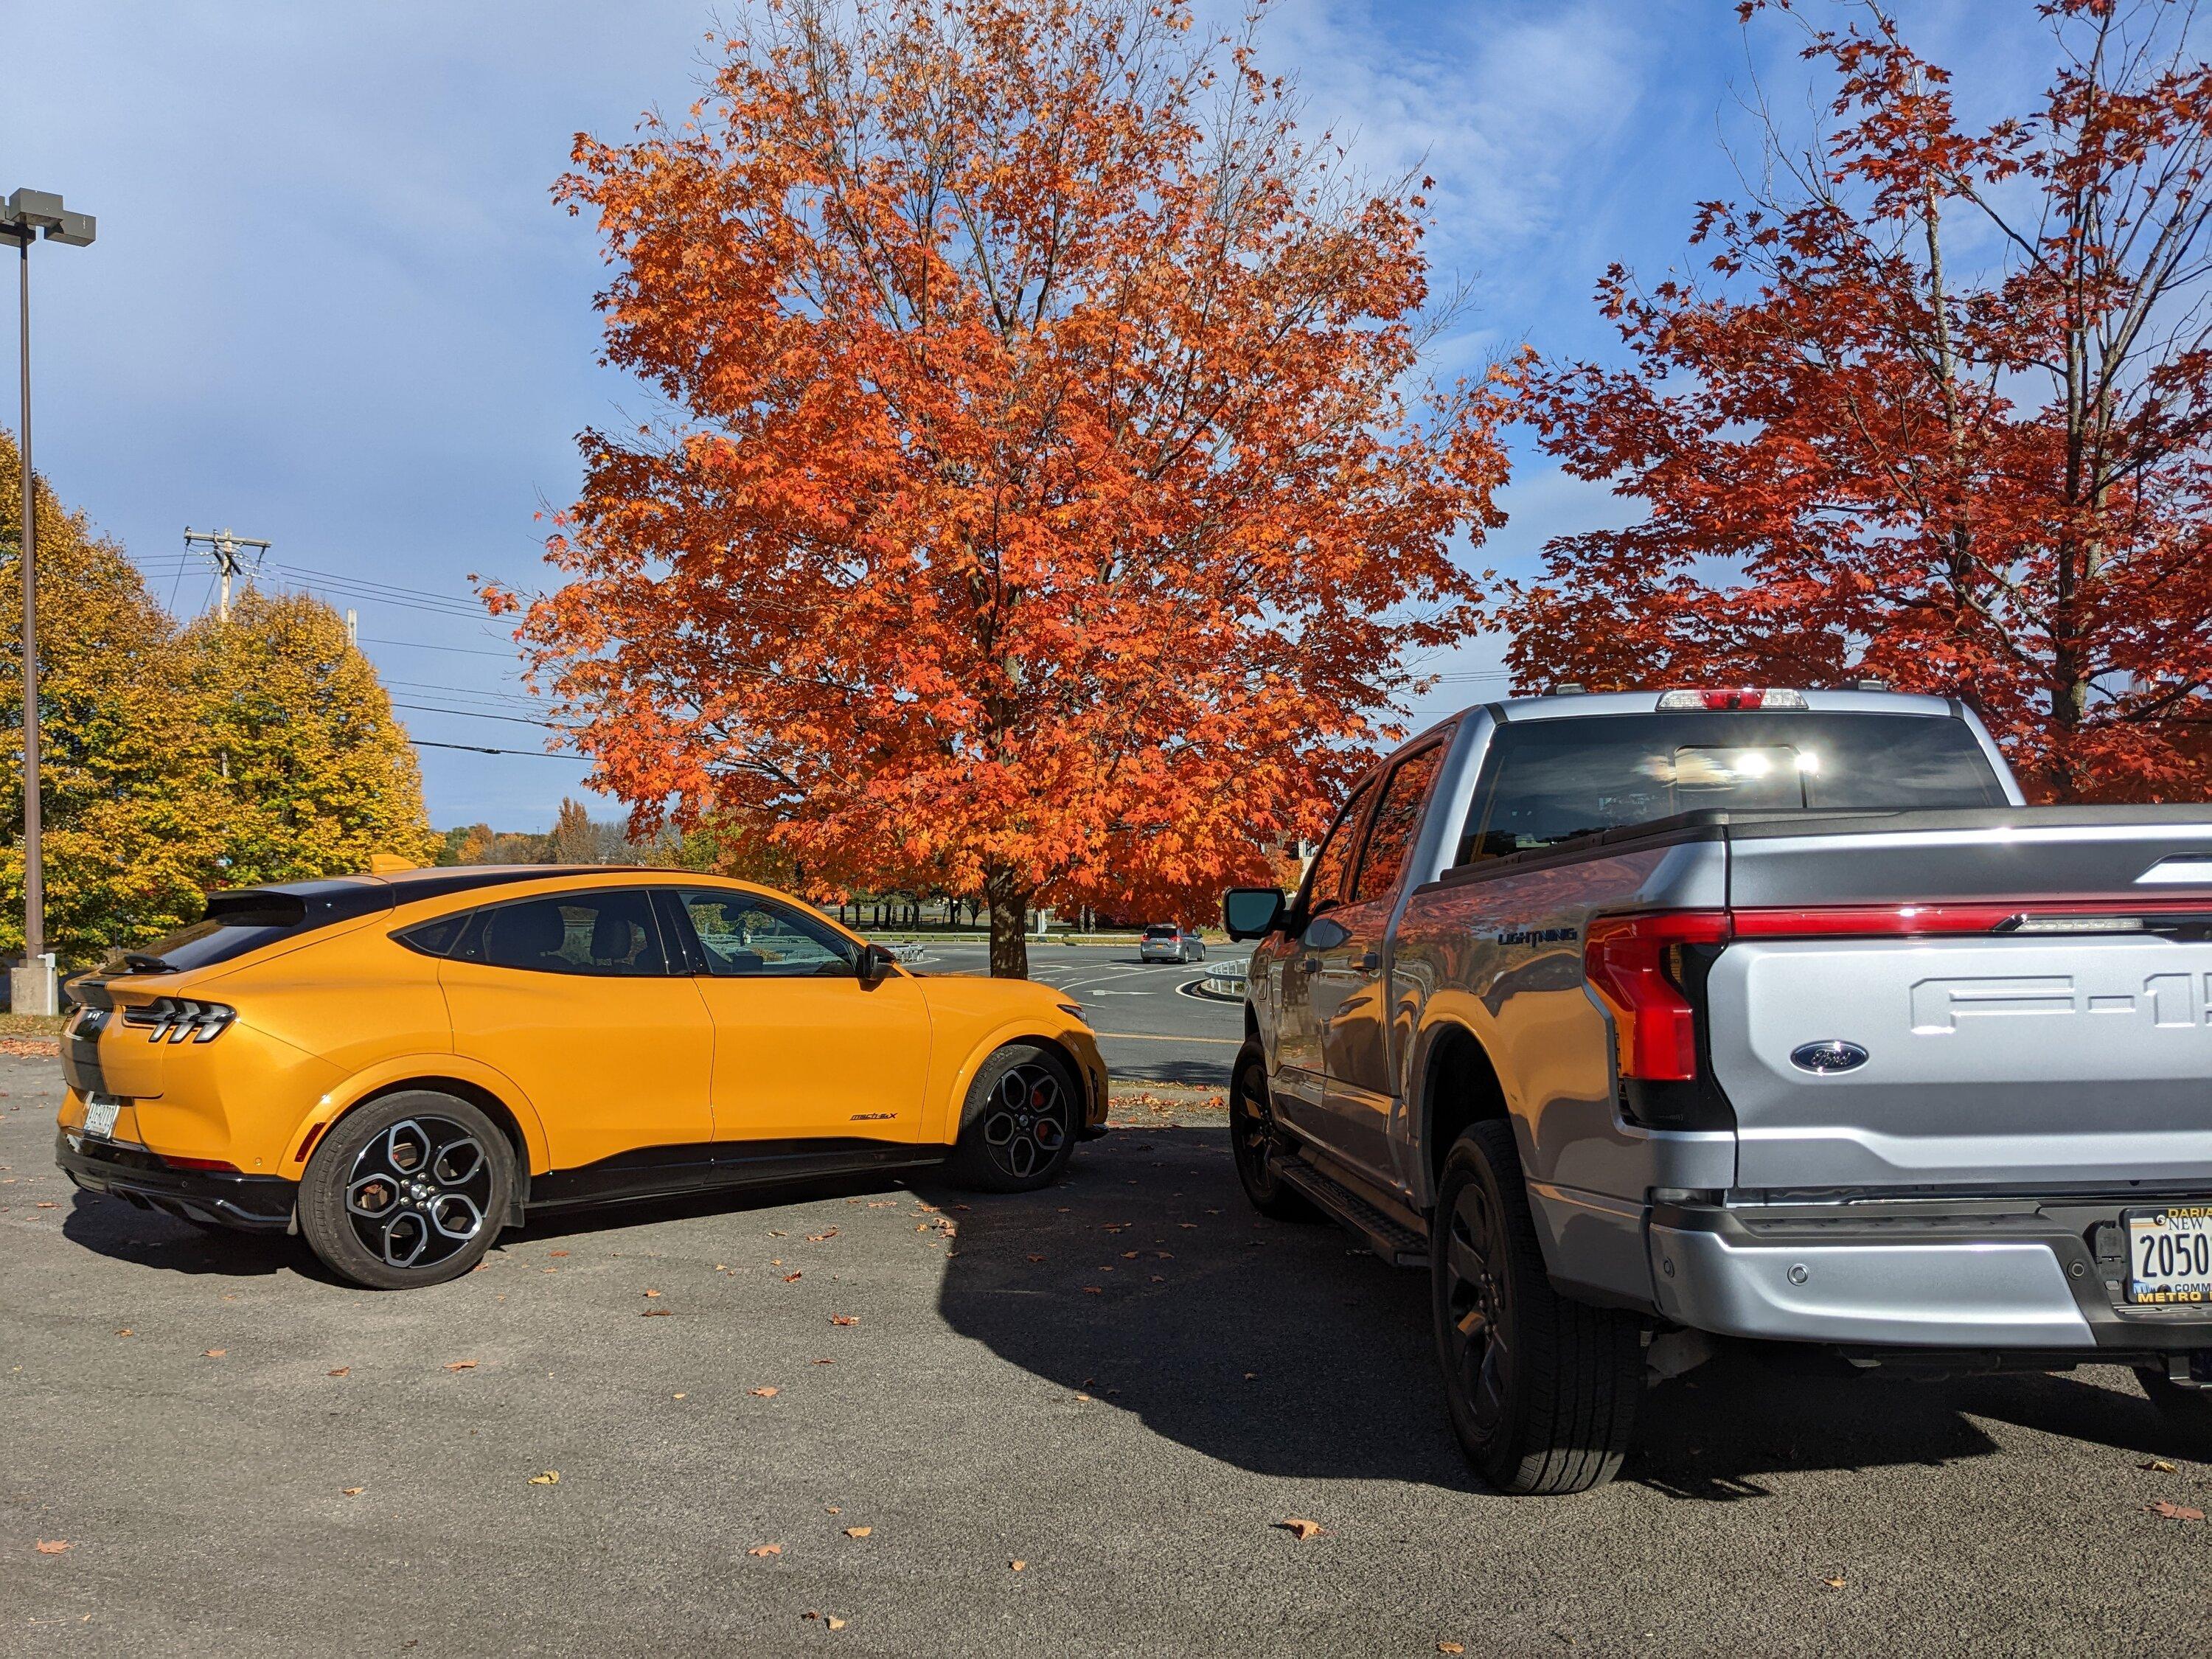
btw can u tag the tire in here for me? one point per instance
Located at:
(391, 1198)
(1018, 1126)
(1542, 1391)
(2187, 1412)
(1252, 1135)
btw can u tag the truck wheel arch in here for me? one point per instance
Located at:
(1459, 1087)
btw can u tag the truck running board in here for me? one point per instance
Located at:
(1395, 1243)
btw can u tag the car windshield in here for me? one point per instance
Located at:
(1547, 782)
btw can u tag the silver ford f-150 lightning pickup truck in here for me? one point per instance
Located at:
(1646, 1019)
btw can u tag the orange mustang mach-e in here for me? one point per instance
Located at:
(399, 1065)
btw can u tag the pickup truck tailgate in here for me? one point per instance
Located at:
(2018, 1061)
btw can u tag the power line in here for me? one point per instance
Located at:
(477, 715)
(478, 749)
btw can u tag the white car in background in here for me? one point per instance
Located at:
(1170, 942)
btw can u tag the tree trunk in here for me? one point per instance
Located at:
(1009, 945)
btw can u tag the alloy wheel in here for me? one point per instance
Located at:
(417, 1192)
(1477, 1306)
(1253, 1132)
(1026, 1124)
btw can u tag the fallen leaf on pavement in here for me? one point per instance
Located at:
(48, 1203)
(816, 1238)
(768, 1393)
(1036, 1258)
(51, 1546)
(551, 1478)
(652, 1292)
(1833, 1584)
(2173, 1511)
(353, 1492)
(1300, 1528)
(833, 1509)
(655, 1313)
(215, 1354)
(765, 1549)
(126, 1331)
(1451, 1647)
(556, 1253)
(462, 1365)
(2156, 1466)
(1017, 1565)
(825, 1362)
(1094, 1290)
(679, 1396)
(342, 1370)
(844, 1319)
(788, 1278)
(857, 1532)
(834, 1622)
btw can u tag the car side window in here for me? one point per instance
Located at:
(743, 935)
(1397, 816)
(610, 933)
(1330, 864)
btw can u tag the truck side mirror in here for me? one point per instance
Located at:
(1252, 912)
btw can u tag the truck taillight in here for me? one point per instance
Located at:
(1734, 697)
(1634, 963)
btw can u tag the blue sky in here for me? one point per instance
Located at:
(332, 306)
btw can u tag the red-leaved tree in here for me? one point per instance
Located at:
(1865, 452)
(1041, 500)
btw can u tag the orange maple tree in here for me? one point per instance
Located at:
(1863, 454)
(1045, 495)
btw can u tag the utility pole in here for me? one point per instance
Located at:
(24, 216)
(223, 546)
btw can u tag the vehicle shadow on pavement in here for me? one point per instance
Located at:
(1712, 1435)
(1144, 1279)
(113, 1227)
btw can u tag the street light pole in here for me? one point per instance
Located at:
(26, 214)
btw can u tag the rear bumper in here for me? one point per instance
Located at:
(251, 1203)
(1988, 1274)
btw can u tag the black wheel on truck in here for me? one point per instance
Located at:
(1252, 1137)
(2187, 1412)
(1542, 1391)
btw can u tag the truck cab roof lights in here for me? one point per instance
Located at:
(1735, 697)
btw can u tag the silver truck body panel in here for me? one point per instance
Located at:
(2024, 1063)
(1992, 1294)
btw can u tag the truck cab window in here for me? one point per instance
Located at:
(1547, 782)
(1326, 887)
(1397, 816)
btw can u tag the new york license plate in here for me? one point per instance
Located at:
(2170, 1254)
(100, 1112)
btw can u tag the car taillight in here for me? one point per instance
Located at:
(177, 1019)
(214, 1163)
(1635, 963)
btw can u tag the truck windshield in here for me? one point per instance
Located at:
(1547, 782)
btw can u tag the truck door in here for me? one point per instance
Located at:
(1358, 1087)
(1306, 997)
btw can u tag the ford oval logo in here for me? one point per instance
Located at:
(1833, 1055)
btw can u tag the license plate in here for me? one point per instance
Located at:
(99, 1113)
(2170, 1255)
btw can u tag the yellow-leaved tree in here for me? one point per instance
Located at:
(299, 744)
(129, 838)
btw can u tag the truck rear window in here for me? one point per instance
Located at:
(1547, 782)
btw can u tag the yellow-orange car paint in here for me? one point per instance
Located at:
(585, 1067)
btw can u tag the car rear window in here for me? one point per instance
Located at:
(247, 918)
(1159, 933)
(1547, 782)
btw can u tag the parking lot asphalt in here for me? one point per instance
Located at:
(1150, 1027)
(1123, 1383)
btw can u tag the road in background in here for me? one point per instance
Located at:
(1150, 1029)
